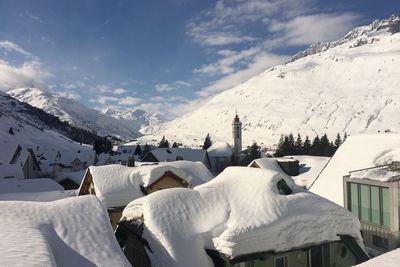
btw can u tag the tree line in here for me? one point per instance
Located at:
(319, 146)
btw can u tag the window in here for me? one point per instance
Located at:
(354, 199)
(281, 261)
(365, 203)
(370, 203)
(283, 188)
(385, 207)
(315, 257)
(375, 205)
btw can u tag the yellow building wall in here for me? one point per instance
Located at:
(166, 182)
(115, 216)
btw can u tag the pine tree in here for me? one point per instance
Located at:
(207, 142)
(325, 147)
(163, 143)
(315, 147)
(255, 151)
(174, 144)
(279, 150)
(298, 145)
(306, 146)
(291, 149)
(338, 141)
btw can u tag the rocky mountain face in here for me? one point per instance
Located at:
(350, 85)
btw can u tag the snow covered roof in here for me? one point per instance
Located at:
(11, 171)
(267, 164)
(184, 153)
(84, 155)
(77, 177)
(220, 149)
(117, 185)
(237, 213)
(379, 174)
(103, 157)
(389, 259)
(69, 232)
(28, 185)
(309, 168)
(37, 196)
(197, 171)
(357, 152)
(7, 151)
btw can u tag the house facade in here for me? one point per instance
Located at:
(376, 204)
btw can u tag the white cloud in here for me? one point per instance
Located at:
(260, 63)
(127, 101)
(68, 95)
(29, 74)
(104, 99)
(119, 91)
(103, 88)
(165, 87)
(303, 30)
(73, 85)
(13, 47)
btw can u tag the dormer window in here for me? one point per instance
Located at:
(283, 188)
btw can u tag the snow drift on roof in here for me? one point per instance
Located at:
(28, 185)
(117, 185)
(172, 154)
(357, 152)
(239, 212)
(220, 149)
(268, 164)
(69, 232)
(38, 196)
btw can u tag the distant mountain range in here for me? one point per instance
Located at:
(32, 127)
(122, 125)
(350, 85)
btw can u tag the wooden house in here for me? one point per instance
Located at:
(116, 185)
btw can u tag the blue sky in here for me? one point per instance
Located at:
(166, 56)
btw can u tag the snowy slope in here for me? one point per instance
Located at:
(75, 113)
(138, 119)
(351, 85)
(30, 130)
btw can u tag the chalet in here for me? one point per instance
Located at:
(117, 185)
(177, 153)
(46, 159)
(54, 234)
(17, 162)
(372, 195)
(242, 217)
(73, 161)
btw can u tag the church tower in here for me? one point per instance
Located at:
(237, 136)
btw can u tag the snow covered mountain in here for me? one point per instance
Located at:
(138, 119)
(31, 127)
(350, 85)
(75, 113)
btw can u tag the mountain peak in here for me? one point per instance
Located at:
(359, 35)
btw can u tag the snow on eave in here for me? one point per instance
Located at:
(237, 213)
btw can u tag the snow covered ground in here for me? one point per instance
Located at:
(235, 213)
(357, 152)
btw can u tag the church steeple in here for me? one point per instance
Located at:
(237, 135)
